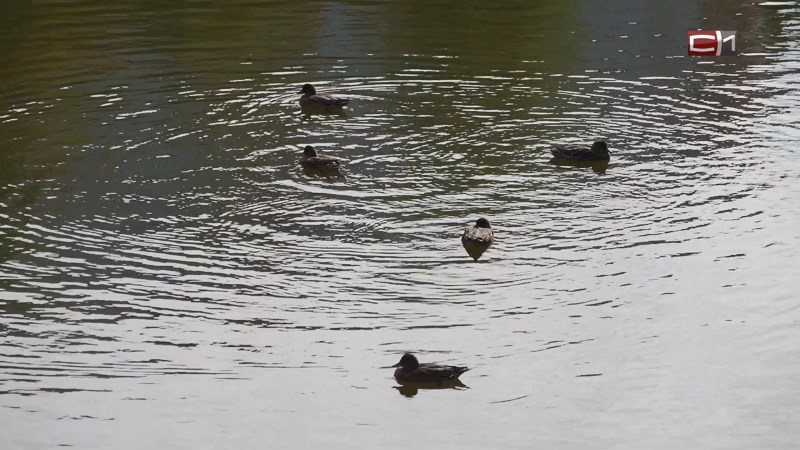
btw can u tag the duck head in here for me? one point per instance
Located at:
(601, 148)
(408, 362)
(482, 223)
(308, 90)
(309, 152)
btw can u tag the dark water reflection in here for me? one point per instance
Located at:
(166, 263)
(411, 389)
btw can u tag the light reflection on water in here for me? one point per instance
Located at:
(166, 263)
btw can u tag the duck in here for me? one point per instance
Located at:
(597, 152)
(477, 238)
(310, 98)
(313, 160)
(409, 369)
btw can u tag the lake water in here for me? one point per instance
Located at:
(171, 278)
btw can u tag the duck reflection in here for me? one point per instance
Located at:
(598, 167)
(412, 388)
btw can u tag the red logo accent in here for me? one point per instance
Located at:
(703, 43)
(712, 43)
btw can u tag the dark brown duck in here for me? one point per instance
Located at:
(597, 152)
(313, 160)
(410, 370)
(310, 98)
(477, 238)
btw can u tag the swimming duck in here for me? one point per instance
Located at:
(310, 98)
(598, 151)
(477, 238)
(312, 160)
(410, 370)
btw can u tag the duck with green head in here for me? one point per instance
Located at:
(597, 152)
(311, 159)
(409, 369)
(310, 98)
(477, 238)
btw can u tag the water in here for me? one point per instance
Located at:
(170, 277)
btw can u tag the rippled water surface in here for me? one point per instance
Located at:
(171, 278)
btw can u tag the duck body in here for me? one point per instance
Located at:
(409, 369)
(477, 238)
(310, 98)
(597, 152)
(313, 160)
